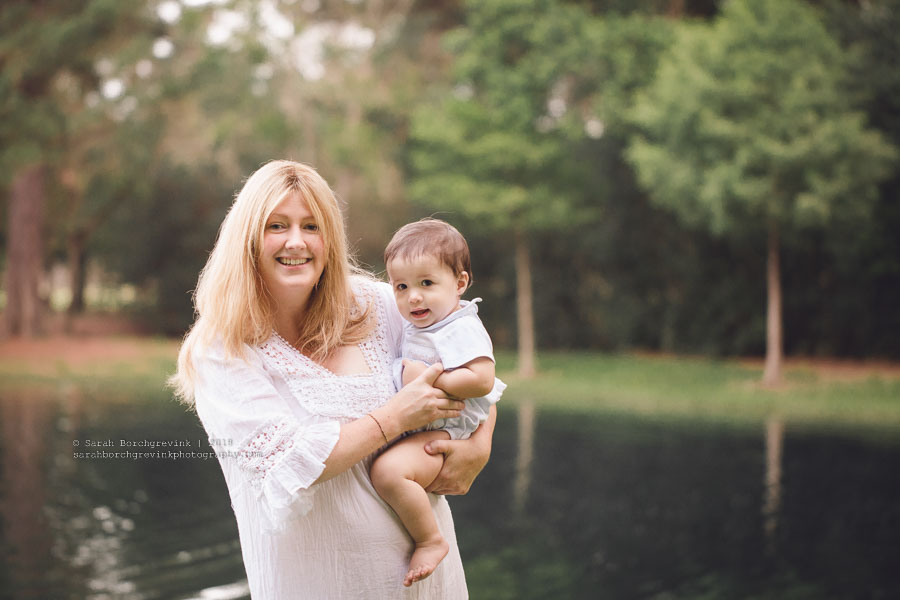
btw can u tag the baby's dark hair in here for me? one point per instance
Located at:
(431, 237)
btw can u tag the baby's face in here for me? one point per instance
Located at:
(426, 290)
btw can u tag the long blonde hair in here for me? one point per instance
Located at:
(231, 301)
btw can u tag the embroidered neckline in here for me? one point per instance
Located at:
(323, 392)
(319, 367)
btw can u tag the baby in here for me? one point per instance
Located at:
(429, 267)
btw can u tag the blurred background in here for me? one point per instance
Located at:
(684, 221)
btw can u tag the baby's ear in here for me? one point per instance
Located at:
(462, 282)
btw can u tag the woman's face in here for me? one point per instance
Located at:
(293, 251)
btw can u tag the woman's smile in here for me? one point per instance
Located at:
(293, 262)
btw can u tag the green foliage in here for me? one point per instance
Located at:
(47, 51)
(169, 230)
(861, 260)
(625, 52)
(497, 148)
(637, 279)
(671, 8)
(746, 121)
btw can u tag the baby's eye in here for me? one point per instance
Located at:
(400, 287)
(427, 282)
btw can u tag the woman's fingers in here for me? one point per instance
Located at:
(449, 408)
(456, 405)
(435, 400)
(430, 374)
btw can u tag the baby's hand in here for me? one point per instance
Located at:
(412, 369)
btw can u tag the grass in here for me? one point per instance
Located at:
(659, 387)
(702, 389)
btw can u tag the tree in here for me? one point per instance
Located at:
(748, 129)
(47, 54)
(496, 149)
(25, 218)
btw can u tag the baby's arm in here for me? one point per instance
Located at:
(412, 369)
(472, 380)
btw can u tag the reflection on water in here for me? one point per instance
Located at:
(98, 525)
(634, 508)
(524, 456)
(26, 535)
(772, 503)
(569, 507)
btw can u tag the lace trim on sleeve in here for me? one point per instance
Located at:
(283, 459)
(265, 446)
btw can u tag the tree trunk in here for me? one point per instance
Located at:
(772, 371)
(25, 252)
(525, 322)
(77, 259)
(676, 9)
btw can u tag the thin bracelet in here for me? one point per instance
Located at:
(379, 427)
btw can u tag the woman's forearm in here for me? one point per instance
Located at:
(357, 440)
(484, 435)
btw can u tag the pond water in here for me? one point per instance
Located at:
(569, 507)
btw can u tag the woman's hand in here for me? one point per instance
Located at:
(463, 459)
(417, 404)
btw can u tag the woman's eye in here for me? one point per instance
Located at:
(276, 226)
(311, 227)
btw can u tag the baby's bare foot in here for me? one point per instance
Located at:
(425, 560)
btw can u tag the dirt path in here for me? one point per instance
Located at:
(834, 369)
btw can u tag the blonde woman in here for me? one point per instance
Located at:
(289, 367)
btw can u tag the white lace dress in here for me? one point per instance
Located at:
(274, 419)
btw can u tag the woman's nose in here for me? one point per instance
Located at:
(295, 238)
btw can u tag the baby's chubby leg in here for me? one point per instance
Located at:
(400, 475)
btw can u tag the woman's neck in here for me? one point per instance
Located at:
(288, 317)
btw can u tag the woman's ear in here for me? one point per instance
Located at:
(462, 282)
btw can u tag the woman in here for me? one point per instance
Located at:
(289, 366)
